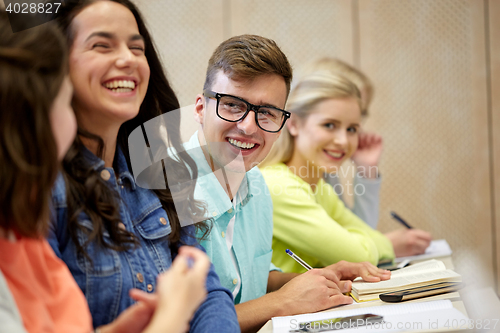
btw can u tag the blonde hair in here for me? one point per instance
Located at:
(310, 90)
(338, 67)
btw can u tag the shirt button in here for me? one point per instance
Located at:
(163, 220)
(140, 277)
(235, 281)
(223, 234)
(105, 175)
(214, 213)
(150, 287)
(230, 210)
(122, 226)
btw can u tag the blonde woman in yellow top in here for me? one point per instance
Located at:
(308, 216)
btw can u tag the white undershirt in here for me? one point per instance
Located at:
(229, 243)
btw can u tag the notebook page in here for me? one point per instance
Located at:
(405, 280)
(283, 324)
(421, 267)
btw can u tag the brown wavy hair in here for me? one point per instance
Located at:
(33, 64)
(87, 192)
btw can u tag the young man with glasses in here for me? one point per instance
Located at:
(241, 112)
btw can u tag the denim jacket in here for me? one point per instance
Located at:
(107, 281)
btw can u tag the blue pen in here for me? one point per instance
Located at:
(400, 220)
(298, 259)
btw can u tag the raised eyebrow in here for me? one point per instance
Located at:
(103, 34)
(136, 37)
(110, 35)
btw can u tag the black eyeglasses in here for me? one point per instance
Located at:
(233, 109)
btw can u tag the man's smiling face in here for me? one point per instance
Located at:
(240, 145)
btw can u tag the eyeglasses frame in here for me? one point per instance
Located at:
(250, 107)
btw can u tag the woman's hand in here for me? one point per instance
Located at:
(409, 242)
(367, 155)
(180, 291)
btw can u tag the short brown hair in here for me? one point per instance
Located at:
(32, 65)
(246, 57)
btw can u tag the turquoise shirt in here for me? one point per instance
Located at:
(253, 228)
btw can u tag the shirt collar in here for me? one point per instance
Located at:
(120, 161)
(208, 187)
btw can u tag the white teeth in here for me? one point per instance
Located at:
(239, 144)
(335, 155)
(124, 85)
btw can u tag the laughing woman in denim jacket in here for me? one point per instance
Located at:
(112, 234)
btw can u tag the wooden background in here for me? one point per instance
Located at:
(433, 64)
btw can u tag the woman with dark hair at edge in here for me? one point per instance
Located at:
(37, 126)
(112, 234)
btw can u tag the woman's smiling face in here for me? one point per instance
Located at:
(328, 136)
(108, 66)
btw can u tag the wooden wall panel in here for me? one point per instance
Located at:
(186, 33)
(304, 30)
(428, 68)
(494, 72)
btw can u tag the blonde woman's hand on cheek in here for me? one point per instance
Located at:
(368, 154)
(409, 242)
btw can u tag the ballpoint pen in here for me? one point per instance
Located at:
(298, 259)
(400, 220)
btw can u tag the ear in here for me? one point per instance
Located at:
(292, 125)
(199, 109)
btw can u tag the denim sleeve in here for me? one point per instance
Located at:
(217, 312)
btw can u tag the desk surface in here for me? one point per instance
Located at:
(454, 297)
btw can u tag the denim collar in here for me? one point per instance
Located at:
(122, 171)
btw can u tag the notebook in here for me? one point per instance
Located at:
(416, 275)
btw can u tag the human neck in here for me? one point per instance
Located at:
(297, 166)
(109, 139)
(229, 180)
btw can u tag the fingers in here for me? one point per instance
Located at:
(367, 139)
(345, 286)
(422, 234)
(200, 261)
(372, 273)
(340, 299)
(142, 296)
(419, 240)
(327, 273)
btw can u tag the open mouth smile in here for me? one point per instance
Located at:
(120, 86)
(242, 145)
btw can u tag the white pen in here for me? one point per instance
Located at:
(403, 263)
(298, 259)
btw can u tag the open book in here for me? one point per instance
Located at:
(416, 275)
